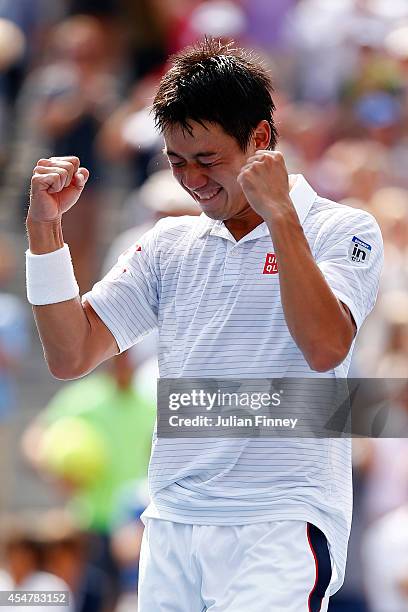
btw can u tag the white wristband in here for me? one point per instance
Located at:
(50, 277)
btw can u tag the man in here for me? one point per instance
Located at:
(270, 281)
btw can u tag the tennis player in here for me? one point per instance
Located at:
(271, 280)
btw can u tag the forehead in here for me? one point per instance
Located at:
(209, 137)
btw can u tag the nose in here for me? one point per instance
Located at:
(193, 178)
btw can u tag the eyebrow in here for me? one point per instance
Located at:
(201, 154)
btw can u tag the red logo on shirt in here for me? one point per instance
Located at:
(271, 265)
(138, 248)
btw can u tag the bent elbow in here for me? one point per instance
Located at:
(66, 370)
(326, 360)
(321, 364)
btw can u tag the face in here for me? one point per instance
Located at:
(206, 163)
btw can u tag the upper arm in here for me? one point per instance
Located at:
(101, 342)
(124, 305)
(350, 257)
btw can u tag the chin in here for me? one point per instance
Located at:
(214, 215)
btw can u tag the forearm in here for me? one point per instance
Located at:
(63, 327)
(44, 237)
(318, 323)
(64, 330)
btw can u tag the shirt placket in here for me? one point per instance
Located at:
(233, 262)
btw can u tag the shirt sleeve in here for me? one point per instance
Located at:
(126, 299)
(351, 257)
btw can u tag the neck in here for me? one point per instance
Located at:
(243, 224)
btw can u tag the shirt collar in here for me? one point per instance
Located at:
(301, 194)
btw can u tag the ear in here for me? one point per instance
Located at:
(262, 135)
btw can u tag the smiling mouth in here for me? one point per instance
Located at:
(205, 198)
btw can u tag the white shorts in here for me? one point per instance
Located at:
(278, 566)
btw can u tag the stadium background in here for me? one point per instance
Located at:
(77, 77)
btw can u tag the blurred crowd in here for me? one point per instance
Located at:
(77, 77)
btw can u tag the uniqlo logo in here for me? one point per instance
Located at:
(271, 265)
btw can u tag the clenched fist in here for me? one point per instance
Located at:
(265, 183)
(56, 186)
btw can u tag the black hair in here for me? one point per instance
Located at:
(217, 83)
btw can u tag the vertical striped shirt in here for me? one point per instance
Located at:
(216, 303)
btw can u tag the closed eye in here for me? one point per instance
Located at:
(208, 164)
(176, 164)
(180, 164)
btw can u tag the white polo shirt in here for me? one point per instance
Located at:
(216, 303)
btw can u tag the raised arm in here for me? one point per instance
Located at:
(74, 338)
(320, 324)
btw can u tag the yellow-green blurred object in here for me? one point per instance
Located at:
(73, 449)
(125, 420)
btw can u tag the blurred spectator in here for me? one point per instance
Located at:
(127, 532)
(342, 31)
(94, 436)
(305, 133)
(100, 8)
(169, 20)
(352, 168)
(12, 47)
(390, 206)
(384, 347)
(223, 19)
(21, 44)
(385, 562)
(386, 469)
(74, 94)
(129, 134)
(67, 556)
(14, 341)
(24, 552)
(394, 359)
(260, 15)
(23, 27)
(351, 597)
